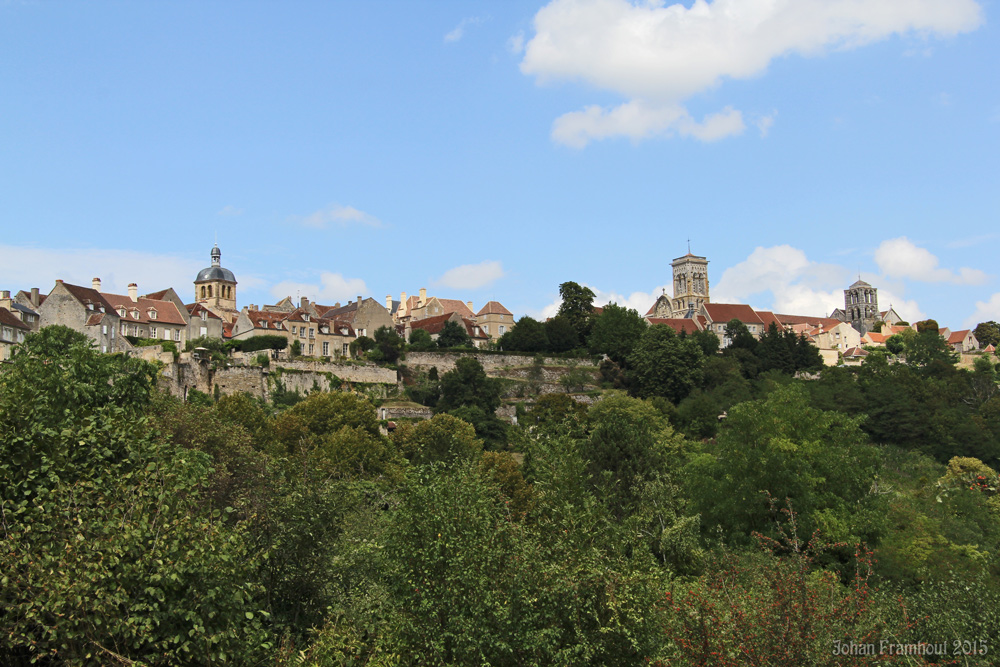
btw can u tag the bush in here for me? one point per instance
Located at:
(255, 343)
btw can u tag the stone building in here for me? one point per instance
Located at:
(494, 319)
(23, 306)
(84, 309)
(317, 336)
(215, 288)
(421, 307)
(12, 331)
(365, 316)
(143, 317)
(860, 307)
(690, 287)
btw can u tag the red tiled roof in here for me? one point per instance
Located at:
(157, 296)
(196, 309)
(677, 324)
(227, 329)
(456, 306)
(9, 319)
(166, 311)
(856, 352)
(495, 308)
(87, 295)
(876, 337)
(724, 312)
(957, 336)
(767, 317)
(825, 322)
(95, 319)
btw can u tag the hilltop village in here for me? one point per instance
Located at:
(129, 322)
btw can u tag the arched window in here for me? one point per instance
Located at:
(202, 291)
(209, 291)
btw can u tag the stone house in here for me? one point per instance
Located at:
(84, 309)
(962, 341)
(23, 307)
(365, 316)
(494, 319)
(12, 331)
(202, 322)
(422, 307)
(434, 325)
(142, 317)
(317, 336)
(716, 316)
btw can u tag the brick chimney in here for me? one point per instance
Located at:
(304, 302)
(133, 291)
(96, 284)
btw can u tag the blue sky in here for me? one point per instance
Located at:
(492, 150)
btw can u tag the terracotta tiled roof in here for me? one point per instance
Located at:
(876, 337)
(957, 336)
(723, 312)
(825, 322)
(494, 308)
(344, 311)
(157, 296)
(196, 309)
(456, 306)
(897, 329)
(267, 319)
(856, 352)
(7, 318)
(677, 324)
(989, 348)
(767, 317)
(431, 325)
(227, 329)
(95, 319)
(166, 311)
(87, 295)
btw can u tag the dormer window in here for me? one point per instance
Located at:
(204, 315)
(305, 318)
(121, 312)
(152, 313)
(135, 314)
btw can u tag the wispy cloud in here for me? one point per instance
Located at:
(657, 56)
(25, 267)
(230, 210)
(331, 287)
(459, 31)
(471, 276)
(339, 216)
(901, 258)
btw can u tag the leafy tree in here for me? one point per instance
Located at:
(739, 336)
(663, 364)
(468, 384)
(296, 348)
(616, 332)
(928, 347)
(441, 439)
(528, 335)
(109, 552)
(358, 346)
(389, 345)
(707, 341)
(987, 333)
(265, 342)
(783, 445)
(895, 344)
(578, 307)
(420, 340)
(561, 334)
(453, 334)
(927, 325)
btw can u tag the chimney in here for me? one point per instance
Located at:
(336, 305)
(5, 294)
(359, 299)
(423, 297)
(469, 304)
(304, 302)
(35, 300)
(402, 303)
(96, 284)
(133, 291)
(388, 302)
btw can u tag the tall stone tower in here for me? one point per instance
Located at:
(215, 287)
(861, 306)
(690, 285)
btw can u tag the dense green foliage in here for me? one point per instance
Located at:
(722, 508)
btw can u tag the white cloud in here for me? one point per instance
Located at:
(657, 56)
(986, 311)
(471, 276)
(901, 258)
(332, 287)
(24, 268)
(341, 216)
(516, 43)
(230, 210)
(459, 31)
(764, 123)
(797, 285)
(638, 120)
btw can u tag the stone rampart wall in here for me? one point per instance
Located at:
(445, 361)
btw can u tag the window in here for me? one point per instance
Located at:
(312, 332)
(501, 329)
(204, 315)
(104, 329)
(121, 312)
(295, 330)
(123, 329)
(152, 314)
(135, 314)
(152, 332)
(486, 328)
(20, 336)
(8, 333)
(347, 349)
(204, 331)
(302, 332)
(311, 346)
(177, 334)
(326, 349)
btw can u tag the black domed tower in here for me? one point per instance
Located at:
(215, 287)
